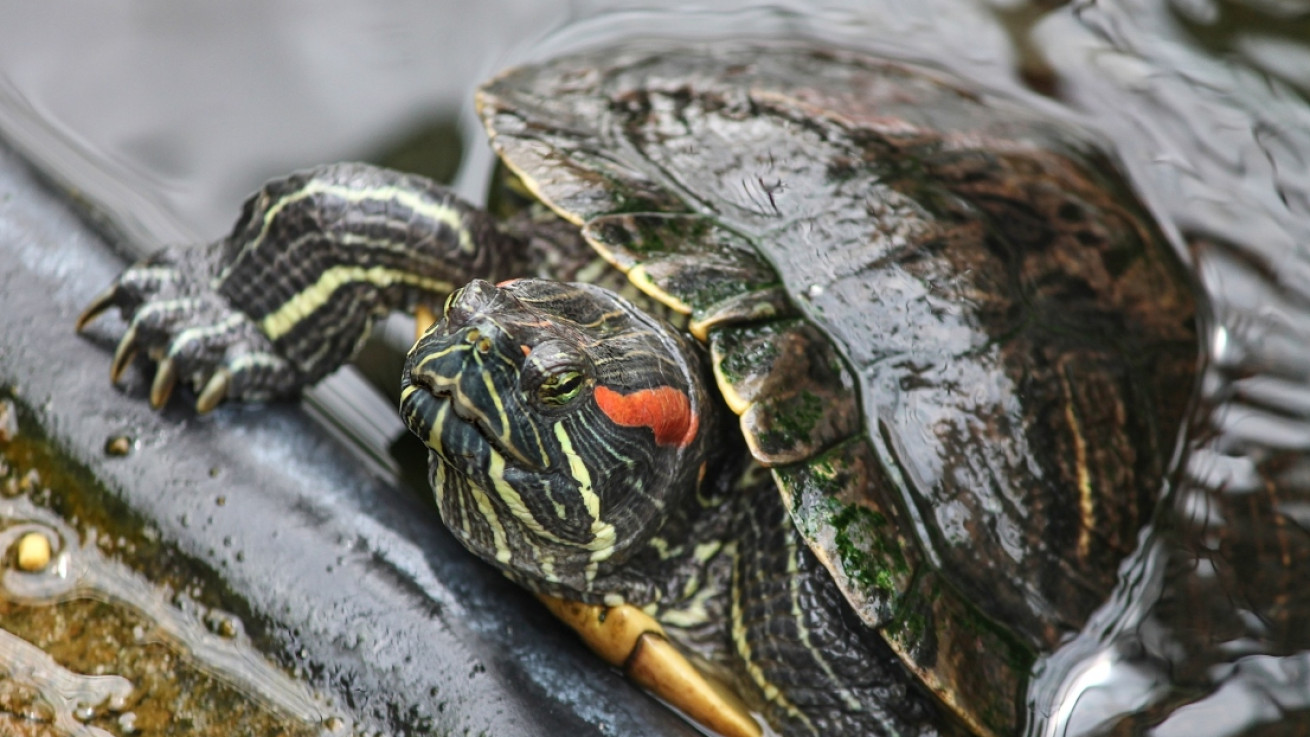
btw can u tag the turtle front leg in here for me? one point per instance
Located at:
(290, 295)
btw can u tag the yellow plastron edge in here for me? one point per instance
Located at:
(626, 637)
(424, 318)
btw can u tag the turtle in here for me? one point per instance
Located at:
(851, 380)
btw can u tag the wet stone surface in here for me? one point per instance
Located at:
(91, 647)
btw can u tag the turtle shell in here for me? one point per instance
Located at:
(961, 346)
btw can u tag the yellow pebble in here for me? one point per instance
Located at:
(33, 552)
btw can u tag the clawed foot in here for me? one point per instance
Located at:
(194, 334)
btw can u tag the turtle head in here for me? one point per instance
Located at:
(563, 425)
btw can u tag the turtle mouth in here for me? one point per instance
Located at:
(427, 409)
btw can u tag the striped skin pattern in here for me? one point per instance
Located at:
(313, 261)
(353, 244)
(546, 486)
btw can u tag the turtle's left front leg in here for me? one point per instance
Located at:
(292, 292)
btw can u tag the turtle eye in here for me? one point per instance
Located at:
(554, 374)
(560, 388)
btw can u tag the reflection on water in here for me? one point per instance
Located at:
(1201, 101)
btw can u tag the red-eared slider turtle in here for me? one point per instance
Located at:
(936, 323)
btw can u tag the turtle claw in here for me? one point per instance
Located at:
(127, 349)
(176, 315)
(214, 391)
(102, 302)
(162, 387)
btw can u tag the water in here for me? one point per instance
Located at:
(1202, 103)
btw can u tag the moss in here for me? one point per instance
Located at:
(793, 421)
(908, 629)
(659, 234)
(866, 547)
(745, 353)
(704, 289)
(828, 477)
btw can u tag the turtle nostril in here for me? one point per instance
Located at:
(479, 339)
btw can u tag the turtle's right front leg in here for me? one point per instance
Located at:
(314, 260)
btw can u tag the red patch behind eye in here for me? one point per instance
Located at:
(664, 410)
